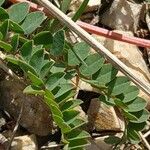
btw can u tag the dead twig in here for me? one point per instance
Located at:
(144, 141)
(16, 126)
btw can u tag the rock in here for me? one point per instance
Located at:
(92, 5)
(103, 118)
(131, 56)
(99, 144)
(36, 116)
(25, 142)
(125, 15)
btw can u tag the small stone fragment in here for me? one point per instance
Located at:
(102, 117)
(26, 142)
(122, 15)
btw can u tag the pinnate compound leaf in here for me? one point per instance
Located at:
(78, 54)
(136, 105)
(92, 64)
(43, 38)
(33, 90)
(18, 12)
(3, 14)
(32, 21)
(118, 85)
(58, 43)
(106, 74)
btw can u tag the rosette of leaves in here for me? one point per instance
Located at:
(39, 55)
(114, 90)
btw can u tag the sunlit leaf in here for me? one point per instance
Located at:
(18, 12)
(33, 21)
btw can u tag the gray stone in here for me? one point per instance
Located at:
(122, 15)
(36, 116)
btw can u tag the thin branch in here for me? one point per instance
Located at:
(16, 126)
(144, 141)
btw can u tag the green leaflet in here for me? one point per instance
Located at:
(77, 134)
(45, 70)
(133, 136)
(142, 116)
(32, 21)
(16, 27)
(15, 42)
(18, 12)
(71, 104)
(63, 126)
(54, 80)
(4, 28)
(34, 79)
(37, 60)
(130, 93)
(79, 52)
(7, 47)
(63, 88)
(136, 105)
(58, 43)
(118, 85)
(70, 115)
(43, 38)
(106, 74)
(26, 50)
(78, 143)
(3, 14)
(92, 64)
(33, 90)
(113, 140)
(136, 126)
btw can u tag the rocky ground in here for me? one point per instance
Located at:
(130, 18)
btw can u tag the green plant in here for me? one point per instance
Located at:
(50, 63)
